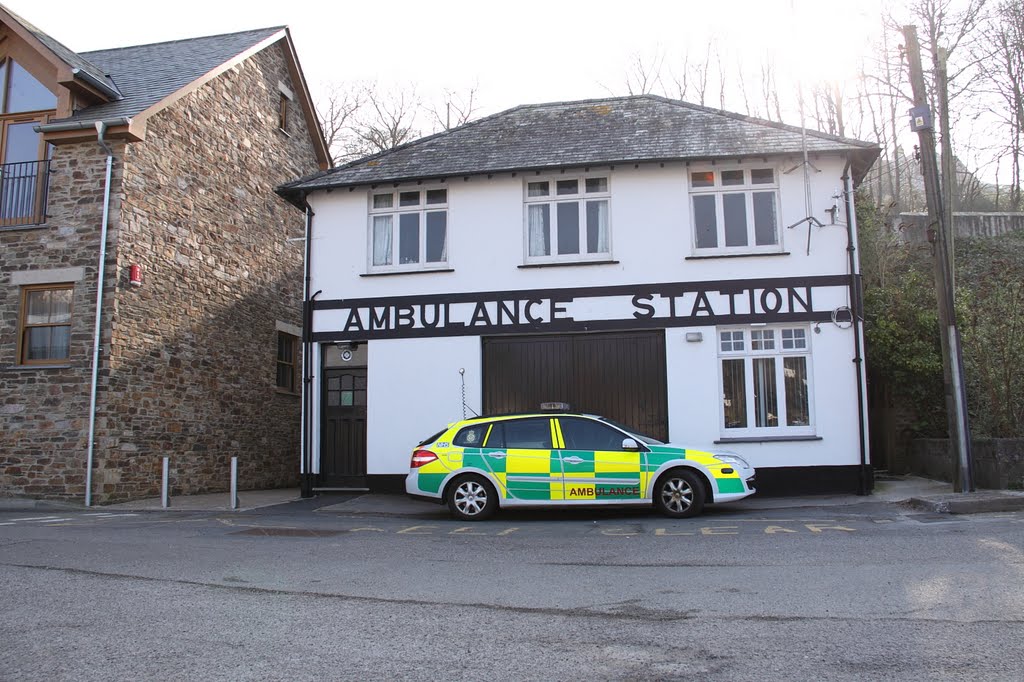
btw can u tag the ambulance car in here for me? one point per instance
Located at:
(477, 465)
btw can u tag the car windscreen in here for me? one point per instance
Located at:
(632, 432)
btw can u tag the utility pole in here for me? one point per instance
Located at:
(949, 190)
(952, 358)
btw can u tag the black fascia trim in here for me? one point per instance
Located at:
(666, 289)
(405, 272)
(567, 264)
(712, 256)
(767, 439)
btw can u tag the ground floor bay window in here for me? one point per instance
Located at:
(765, 382)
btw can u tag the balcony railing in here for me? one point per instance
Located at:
(23, 188)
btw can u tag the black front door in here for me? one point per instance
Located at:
(343, 428)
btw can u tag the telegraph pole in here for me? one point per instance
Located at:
(921, 121)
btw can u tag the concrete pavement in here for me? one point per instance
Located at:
(908, 491)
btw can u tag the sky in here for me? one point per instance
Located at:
(514, 54)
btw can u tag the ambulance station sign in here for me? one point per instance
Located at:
(633, 306)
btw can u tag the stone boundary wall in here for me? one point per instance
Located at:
(998, 462)
(913, 226)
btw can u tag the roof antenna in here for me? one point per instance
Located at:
(807, 165)
(462, 375)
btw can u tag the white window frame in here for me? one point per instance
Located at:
(748, 354)
(396, 211)
(581, 197)
(718, 191)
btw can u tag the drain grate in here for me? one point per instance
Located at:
(288, 532)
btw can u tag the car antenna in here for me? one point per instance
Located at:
(462, 375)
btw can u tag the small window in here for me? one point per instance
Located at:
(282, 112)
(45, 325)
(471, 436)
(287, 362)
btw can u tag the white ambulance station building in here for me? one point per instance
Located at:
(688, 272)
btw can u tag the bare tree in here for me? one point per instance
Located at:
(456, 108)
(643, 75)
(335, 112)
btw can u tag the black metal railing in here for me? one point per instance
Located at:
(23, 188)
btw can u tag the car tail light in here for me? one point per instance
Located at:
(421, 457)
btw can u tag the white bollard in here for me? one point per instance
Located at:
(165, 498)
(234, 483)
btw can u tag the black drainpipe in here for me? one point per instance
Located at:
(307, 363)
(857, 302)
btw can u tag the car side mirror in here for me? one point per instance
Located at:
(630, 444)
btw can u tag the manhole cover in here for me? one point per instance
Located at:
(288, 532)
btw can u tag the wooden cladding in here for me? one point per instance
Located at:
(616, 375)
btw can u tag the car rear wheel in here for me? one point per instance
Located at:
(471, 498)
(679, 493)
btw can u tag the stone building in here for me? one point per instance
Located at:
(150, 169)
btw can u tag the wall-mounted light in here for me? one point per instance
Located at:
(694, 337)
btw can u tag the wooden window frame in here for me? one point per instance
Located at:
(23, 327)
(294, 364)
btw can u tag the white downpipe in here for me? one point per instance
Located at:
(100, 129)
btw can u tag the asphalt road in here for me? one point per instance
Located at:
(298, 593)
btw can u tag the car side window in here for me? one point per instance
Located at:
(496, 439)
(471, 436)
(586, 434)
(533, 434)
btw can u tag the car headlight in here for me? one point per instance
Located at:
(731, 458)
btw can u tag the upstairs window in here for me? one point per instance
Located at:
(735, 210)
(567, 219)
(408, 230)
(287, 362)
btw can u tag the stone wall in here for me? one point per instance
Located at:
(44, 410)
(188, 359)
(193, 350)
(913, 226)
(998, 462)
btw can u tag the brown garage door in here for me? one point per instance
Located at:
(617, 375)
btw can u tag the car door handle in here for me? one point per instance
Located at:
(573, 460)
(497, 455)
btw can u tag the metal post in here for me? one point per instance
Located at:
(165, 498)
(234, 483)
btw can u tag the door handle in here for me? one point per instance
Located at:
(573, 460)
(497, 455)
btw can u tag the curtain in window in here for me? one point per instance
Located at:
(382, 240)
(766, 399)
(734, 393)
(538, 218)
(797, 404)
(597, 227)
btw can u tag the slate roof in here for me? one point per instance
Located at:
(589, 132)
(145, 74)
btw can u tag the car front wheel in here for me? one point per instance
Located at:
(679, 494)
(472, 498)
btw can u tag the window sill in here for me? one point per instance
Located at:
(283, 391)
(767, 439)
(738, 255)
(563, 264)
(29, 368)
(389, 273)
(29, 226)
(284, 132)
